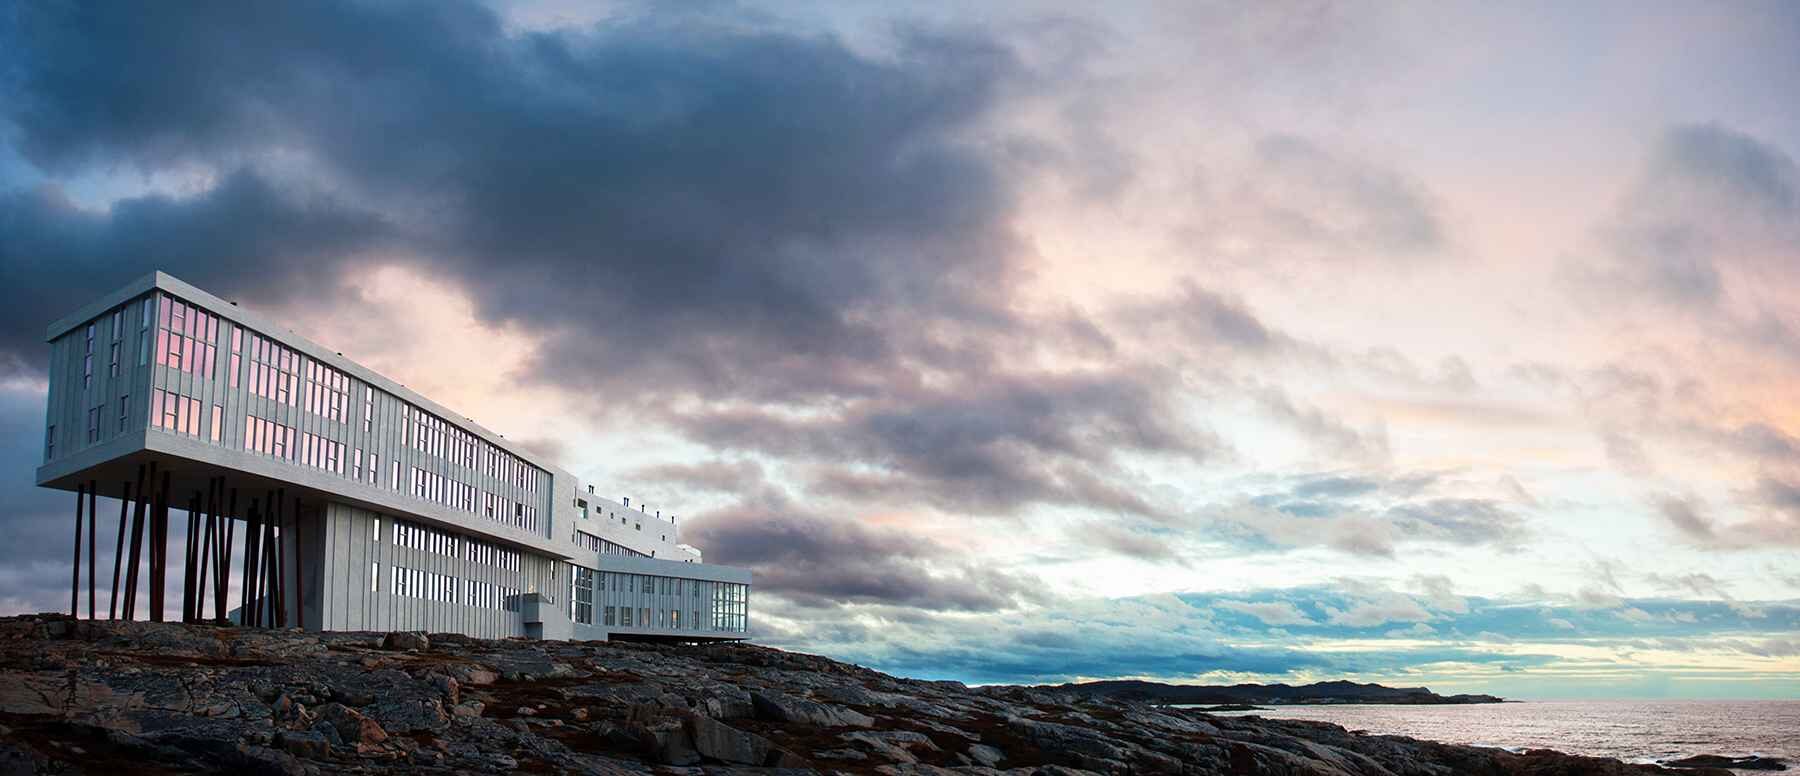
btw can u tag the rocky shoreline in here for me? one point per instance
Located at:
(102, 697)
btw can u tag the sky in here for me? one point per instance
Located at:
(1451, 345)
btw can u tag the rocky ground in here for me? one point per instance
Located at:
(81, 697)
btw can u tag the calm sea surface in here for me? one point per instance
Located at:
(1635, 731)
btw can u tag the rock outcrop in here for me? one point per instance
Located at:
(81, 697)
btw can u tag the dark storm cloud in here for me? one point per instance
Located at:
(992, 447)
(247, 235)
(671, 202)
(818, 561)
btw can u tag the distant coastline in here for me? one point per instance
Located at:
(1249, 696)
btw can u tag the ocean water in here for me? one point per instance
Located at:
(1634, 731)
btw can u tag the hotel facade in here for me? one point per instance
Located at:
(317, 493)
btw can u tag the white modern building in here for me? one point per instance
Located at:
(334, 498)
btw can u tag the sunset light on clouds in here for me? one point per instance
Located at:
(1453, 345)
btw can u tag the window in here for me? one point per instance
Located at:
(610, 614)
(327, 390)
(180, 414)
(237, 350)
(374, 466)
(218, 422)
(87, 361)
(582, 597)
(124, 410)
(368, 409)
(374, 576)
(50, 442)
(93, 424)
(268, 437)
(185, 336)
(272, 370)
(144, 334)
(118, 341)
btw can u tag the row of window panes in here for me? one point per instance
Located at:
(649, 584)
(443, 588)
(185, 337)
(592, 543)
(113, 348)
(668, 619)
(730, 607)
(418, 537)
(462, 496)
(96, 416)
(268, 437)
(177, 413)
(327, 391)
(273, 370)
(358, 473)
(321, 453)
(430, 434)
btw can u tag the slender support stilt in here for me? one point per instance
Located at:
(279, 568)
(75, 572)
(112, 609)
(228, 525)
(188, 549)
(93, 528)
(159, 580)
(245, 615)
(299, 569)
(137, 539)
(207, 517)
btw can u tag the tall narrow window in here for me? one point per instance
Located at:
(368, 409)
(93, 424)
(218, 422)
(87, 361)
(327, 390)
(144, 332)
(50, 442)
(124, 410)
(272, 370)
(237, 350)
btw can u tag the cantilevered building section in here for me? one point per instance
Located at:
(318, 493)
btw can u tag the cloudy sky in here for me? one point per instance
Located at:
(1453, 345)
